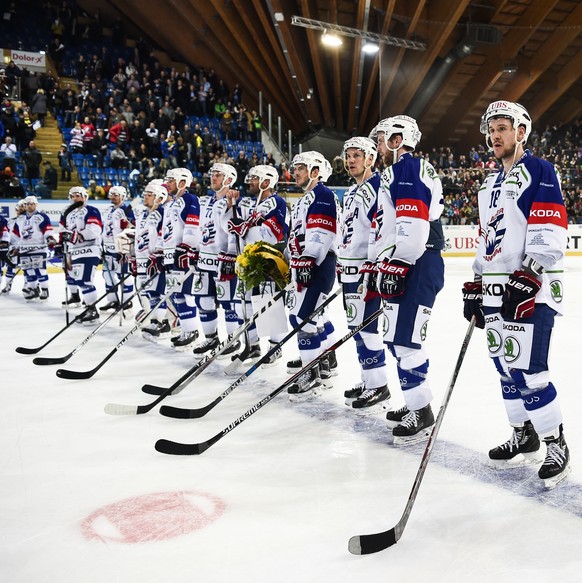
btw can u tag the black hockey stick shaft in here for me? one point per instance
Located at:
(119, 409)
(24, 350)
(77, 375)
(366, 544)
(182, 413)
(200, 366)
(175, 448)
(42, 361)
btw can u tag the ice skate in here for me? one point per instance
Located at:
(275, 357)
(521, 449)
(156, 330)
(395, 417)
(415, 426)
(556, 466)
(207, 345)
(110, 306)
(372, 401)
(354, 393)
(185, 340)
(307, 386)
(74, 301)
(90, 317)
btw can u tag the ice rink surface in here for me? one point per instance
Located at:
(85, 498)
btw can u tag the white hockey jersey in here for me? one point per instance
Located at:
(213, 234)
(181, 224)
(116, 220)
(522, 213)
(85, 220)
(31, 232)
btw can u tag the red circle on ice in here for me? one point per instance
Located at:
(152, 517)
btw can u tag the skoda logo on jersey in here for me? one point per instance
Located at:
(385, 325)
(423, 331)
(511, 349)
(556, 290)
(220, 292)
(197, 284)
(351, 312)
(291, 300)
(493, 340)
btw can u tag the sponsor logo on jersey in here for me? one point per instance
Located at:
(494, 234)
(556, 290)
(322, 221)
(409, 207)
(546, 212)
(511, 349)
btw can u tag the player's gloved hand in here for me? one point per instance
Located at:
(473, 302)
(226, 266)
(303, 270)
(519, 297)
(185, 257)
(238, 227)
(51, 242)
(71, 237)
(370, 280)
(4, 248)
(392, 277)
(155, 264)
(132, 263)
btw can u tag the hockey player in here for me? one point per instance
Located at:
(360, 204)
(118, 217)
(517, 289)
(12, 266)
(81, 237)
(215, 282)
(312, 247)
(148, 231)
(409, 269)
(262, 216)
(33, 236)
(179, 251)
(4, 252)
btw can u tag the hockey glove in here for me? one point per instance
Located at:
(238, 227)
(58, 250)
(473, 302)
(519, 297)
(71, 237)
(155, 264)
(226, 266)
(185, 257)
(392, 277)
(303, 270)
(51, 242)
(370, 280)
(132, 264)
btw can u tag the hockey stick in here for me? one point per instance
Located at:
(366, 544)
(119, 409)
(180, 413)
(42, 361)
(23, 350)
(74, 374)
(205, 362)
(175, 448)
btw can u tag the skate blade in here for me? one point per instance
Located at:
(308, 395)
(551, 483)
(378, 408)
(412, 439)
(521, 460)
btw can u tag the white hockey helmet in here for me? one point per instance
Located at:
(263, 172)
(398, 124)
(366, 145)
(20, 205)
(313, 159)
(515, 112)
(31, 199)
(158, 189)
(79, 190)
(179, 174)
(226, 169)
(120, 191)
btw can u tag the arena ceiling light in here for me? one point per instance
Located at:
(331, 40)
(370, 48)
(329, 29)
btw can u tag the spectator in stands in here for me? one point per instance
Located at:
(9, 149)
(95, 191)
(118, 158)
(119, 134)
(12, 76)
(76, 144)
(32, 159)
(39, 105)
(49, 182)
(65, 163)
(89, 134)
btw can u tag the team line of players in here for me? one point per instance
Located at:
(384, 247)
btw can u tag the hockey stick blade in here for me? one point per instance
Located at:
(116, 409)
(175, 448)
(24, 350)
(372, 543)
(43, 361)
(63, 373)
(154, 389)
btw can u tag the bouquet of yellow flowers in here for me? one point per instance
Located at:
(261, 262)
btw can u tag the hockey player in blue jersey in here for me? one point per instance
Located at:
(517, 289)
(118, 217)
(81, 233)
(409, 270)
(360, 204)
(312, 248)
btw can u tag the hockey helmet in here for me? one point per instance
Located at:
(228, 171)
(366, 145)
(120, 191)
(263, 172)
(179, 174)
(515, 112)
(157, 188)
(312, 159)
(79, 190)
(398, 124)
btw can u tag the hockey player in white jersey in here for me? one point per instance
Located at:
(517, 290)
(407, 242)
(81, 231)
(313, 241)
(118, 217)
(9, 266)
(262, 216)
(360, 204)
(215, 282)
(179, 251)
(33, 236)
(148, 232)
